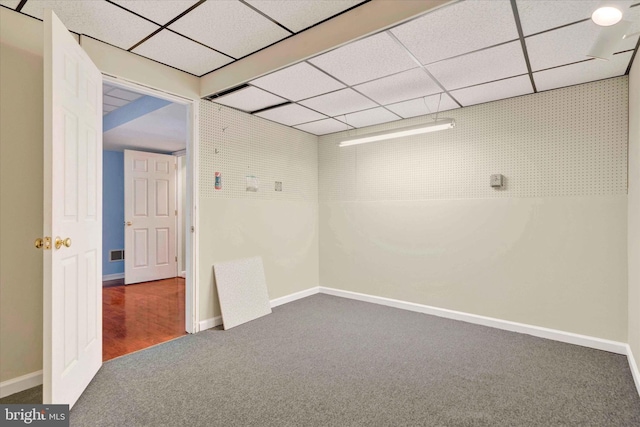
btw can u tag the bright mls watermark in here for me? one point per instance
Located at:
(34, 415)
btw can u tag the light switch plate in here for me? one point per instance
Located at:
(497, 180)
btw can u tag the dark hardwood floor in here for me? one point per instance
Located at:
(138, 316)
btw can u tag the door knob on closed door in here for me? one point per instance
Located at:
(60, 242)
(128, 223)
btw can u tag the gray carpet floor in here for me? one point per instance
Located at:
(328, 361)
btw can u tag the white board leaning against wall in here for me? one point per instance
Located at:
(242, 291)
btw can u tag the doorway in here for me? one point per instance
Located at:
(146, 134)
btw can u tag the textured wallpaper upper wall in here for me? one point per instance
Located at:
(565, 142)
(237, 144)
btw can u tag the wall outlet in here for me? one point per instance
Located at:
(497, 180)
(278, 185)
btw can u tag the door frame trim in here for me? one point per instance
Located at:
(192, 282)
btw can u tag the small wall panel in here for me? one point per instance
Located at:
(242, 290)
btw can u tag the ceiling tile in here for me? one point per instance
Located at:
(582, 72)
(230, 27)
(184, 54)
(106, 88)
(542, 15)
(366, 59)
(12, 4)
(124, 94)
(340, 102)
(160, 12)
(458, 28)
(291, 114)
(249, 99)
(300, 14)
(566, 45)
(502, 89)
(97, 19)
(116, 102)
(323, 127)
(633, 15)
(423, 106)
(368, 117)
(109, 108)
(496, 63)
(298, 82)
(399, 87)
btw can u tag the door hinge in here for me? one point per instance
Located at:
(176, 259)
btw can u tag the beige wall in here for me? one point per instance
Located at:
(634, 210)
(21, 192)
(552, 262)
(281, 227)
(415, 219)
(283, 233)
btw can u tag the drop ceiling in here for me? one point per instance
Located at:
(115, 97)
(195, 36)
(464, 53)
(163, 131)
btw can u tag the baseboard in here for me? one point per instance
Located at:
(537, 331)
(635, 372)
(210, 323)
(216, 321)
(16, 385)
(295, 296)
(114, 276)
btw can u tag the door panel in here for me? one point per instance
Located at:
(72, 298)
(150, 216)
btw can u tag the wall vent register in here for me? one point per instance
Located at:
(116, 255)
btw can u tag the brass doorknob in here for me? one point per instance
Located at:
(128, 223)
(43, 242)
(60, 242)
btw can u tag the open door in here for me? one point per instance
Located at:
(150, 217)
(72, 216)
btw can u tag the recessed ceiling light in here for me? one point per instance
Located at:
(606, 16)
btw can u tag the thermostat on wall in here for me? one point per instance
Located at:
(497, 180)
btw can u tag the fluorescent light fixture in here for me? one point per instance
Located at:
(399, 133)
(606, 16)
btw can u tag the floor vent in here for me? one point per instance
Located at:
(117, 255)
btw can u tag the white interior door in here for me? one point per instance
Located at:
(150, 216)
(72, 216)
